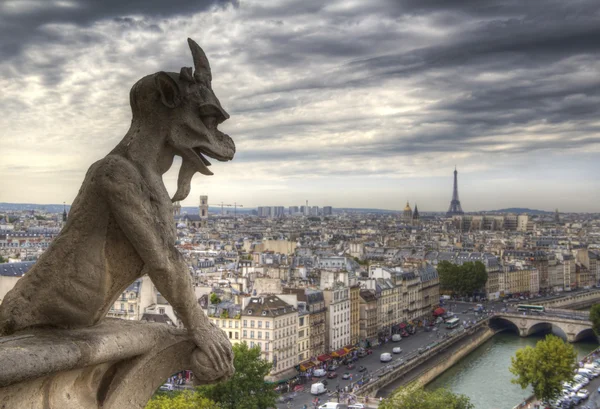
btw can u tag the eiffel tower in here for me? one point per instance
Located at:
(455, 208)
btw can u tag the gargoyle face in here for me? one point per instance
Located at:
(195, 113)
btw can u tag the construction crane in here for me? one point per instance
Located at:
(235, 205)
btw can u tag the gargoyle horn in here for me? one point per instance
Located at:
(201, 65)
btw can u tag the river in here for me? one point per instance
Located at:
(484, 377)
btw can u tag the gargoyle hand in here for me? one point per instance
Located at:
(212, 361)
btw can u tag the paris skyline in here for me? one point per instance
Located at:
(348, 104)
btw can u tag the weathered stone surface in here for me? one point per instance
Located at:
(115, 364)
(120, 228)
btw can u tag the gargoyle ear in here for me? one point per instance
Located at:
(168, 88)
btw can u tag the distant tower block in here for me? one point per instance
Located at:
(203, 210)
(455, 208)
(556, 216)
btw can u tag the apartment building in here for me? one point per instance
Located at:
(303, 347)
(272, 324)
(354, 314)
(337, 302)
(369, 322)
(316, 321)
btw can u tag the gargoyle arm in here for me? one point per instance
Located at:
(147, 230)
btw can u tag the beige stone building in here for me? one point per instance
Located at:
(303, 333)
(315, 305)
(369, 322)
(272, 324)
(354, 314)
(337, 302)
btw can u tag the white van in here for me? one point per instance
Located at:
(332, 405)
(385, 357)
(317, 388)
(396, 337)
(318, 373)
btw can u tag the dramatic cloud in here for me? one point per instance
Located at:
(347, 103)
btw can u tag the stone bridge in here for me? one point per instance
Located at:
(573, 328)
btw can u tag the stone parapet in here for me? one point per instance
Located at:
(114, 365)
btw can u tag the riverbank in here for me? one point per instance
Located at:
(427, 371)
(484, 376)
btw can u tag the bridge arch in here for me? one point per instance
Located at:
(544, 327)
(587, 333)
(499, 323)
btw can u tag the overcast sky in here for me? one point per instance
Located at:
(349, 103)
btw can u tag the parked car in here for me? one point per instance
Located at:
(333, 367)
(284, 399)
(385, 357)
(396, 338)
(332, 375)
(362, 368)
(167, 387)
(346, 375)
(397, 350)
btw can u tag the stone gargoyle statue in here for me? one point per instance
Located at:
(121, 225)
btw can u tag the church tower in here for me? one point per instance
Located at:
(64, 215)
(203, 210)
(415, 217)
(177, 208)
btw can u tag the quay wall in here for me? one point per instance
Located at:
(451, 358)
(412, 369)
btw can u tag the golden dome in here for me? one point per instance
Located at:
(407, 208)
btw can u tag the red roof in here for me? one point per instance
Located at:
(323, 357)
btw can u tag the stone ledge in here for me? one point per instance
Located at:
(116, 364)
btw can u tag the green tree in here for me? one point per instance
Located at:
(3, 260)
(412, 397)
(183, 400)
(247, 388)
(462, 279)
(214, 298)
(595, 318)
(544, 367)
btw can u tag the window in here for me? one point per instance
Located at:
(266, 335)
(259, 334)
(301, 321)
(251, 334)
(267, 324)
(237, 324)
(301, 334)
(230, 324)
(130, 307)
(251, 344)
(131, 296)
(122, 306)
(251, 324)
(245, 323)
(266, 347)
(237, 335)
(230, 336)
(245, 333)
(259, 324)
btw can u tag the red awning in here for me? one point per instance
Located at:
(439, 311)
(339, 353)
(324, 358)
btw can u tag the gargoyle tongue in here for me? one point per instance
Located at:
(192, 163)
